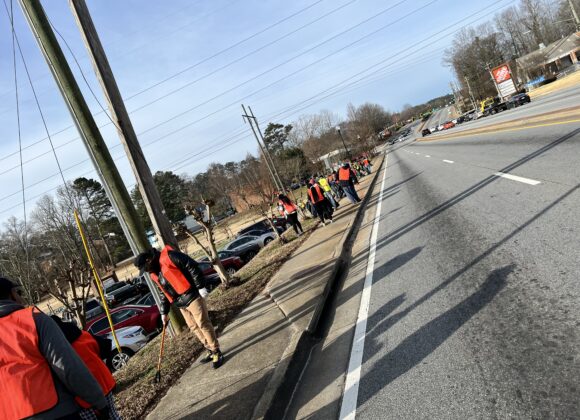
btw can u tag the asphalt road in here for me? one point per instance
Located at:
(439, 117)
(475, 303)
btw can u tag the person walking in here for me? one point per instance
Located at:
(40, 372)
(182, 283)
(323, 182)
(347, 179)
(89, 350)
(291, 212)
(336, 188)
(320, 203)
(367, 165)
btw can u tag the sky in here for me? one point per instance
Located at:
(184, 67)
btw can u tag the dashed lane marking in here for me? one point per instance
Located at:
(448, 161)
(518, 178)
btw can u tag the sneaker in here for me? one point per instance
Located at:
(323, 224)
(207, 358)
(330, 221)
(217, 359)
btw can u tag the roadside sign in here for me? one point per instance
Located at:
(502, 76)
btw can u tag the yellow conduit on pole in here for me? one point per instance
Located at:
(97, 280)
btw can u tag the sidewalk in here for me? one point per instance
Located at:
(260, 344)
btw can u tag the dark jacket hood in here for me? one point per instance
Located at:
(8, 306)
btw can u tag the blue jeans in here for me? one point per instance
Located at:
(330, 198)
(351, 194)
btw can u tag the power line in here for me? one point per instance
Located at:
(279, 22)
(406, 49)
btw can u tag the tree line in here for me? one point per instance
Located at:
(512, 33)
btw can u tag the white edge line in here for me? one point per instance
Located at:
(518, 178)
(350, 395)
(448, 161)
(427, 156)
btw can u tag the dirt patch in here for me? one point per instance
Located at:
(136, 393)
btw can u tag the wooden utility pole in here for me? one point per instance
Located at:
(89, 132)
(120, 116)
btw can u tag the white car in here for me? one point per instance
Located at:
(131, 340)
(440, 127)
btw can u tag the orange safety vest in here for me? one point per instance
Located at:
(88, 350)
(318, 191)
(366, 162)
(344, 174)
(172, 274)
(290, 208)
(26, 384)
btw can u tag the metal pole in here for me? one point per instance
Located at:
(343, 142)
(470, 92)
(250, 120)
(268, 155)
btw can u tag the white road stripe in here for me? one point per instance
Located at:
(518, 178)
(448, 161)
(427, 156)
(350, 396)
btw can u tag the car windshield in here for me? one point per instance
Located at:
(114, 287)
(91, 304)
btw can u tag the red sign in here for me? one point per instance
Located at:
(501, 73)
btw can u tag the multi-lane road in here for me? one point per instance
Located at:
(472, 301)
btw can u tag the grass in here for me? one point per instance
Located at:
(136, 393)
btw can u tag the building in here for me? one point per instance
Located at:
(547, 61)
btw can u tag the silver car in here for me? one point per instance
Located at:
(131, 340)
(248, 241)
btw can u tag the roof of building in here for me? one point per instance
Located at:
(551, 52)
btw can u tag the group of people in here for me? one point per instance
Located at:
(50, 369)
(325, 192)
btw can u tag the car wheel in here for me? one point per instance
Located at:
(231, 271)
(118, 360)
(267, 241)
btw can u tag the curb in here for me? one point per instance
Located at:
(281, 387)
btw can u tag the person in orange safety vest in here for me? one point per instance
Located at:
(320, 203)
(40, 373)
(291, 212)
(92, 350)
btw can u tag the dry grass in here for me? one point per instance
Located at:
(136, 393)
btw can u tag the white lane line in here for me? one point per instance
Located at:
(350, 395)
(427, 156)
(518, 178)
(448, 161)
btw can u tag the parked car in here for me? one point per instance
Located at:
(231, 265)
(425, 132)
(93, 308)
(147, 317)
(246, 252)
(280, 223)
(146, 300)
(121, 292)
(517, 100)
(131, 340)
(247, 245)
(448, 125)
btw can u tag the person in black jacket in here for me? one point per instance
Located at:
(183, 283)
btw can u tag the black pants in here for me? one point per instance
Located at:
(293, 220)
(324, 210)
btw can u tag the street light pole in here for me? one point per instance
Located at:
(576, 20)
(343, 143)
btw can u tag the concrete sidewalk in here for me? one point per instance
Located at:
(261, 343)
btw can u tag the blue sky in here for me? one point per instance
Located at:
(304, 63)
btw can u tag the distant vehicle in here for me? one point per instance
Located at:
(93, 308)
(491, 106)
(448, 125)
(147, 317)
(517, 100)
(440, 127)
(433, 129)
(121, 292)
(425, 132)
(131, 340)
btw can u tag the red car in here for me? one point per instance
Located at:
(147, 317)
(448, 124)
(231, 264)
